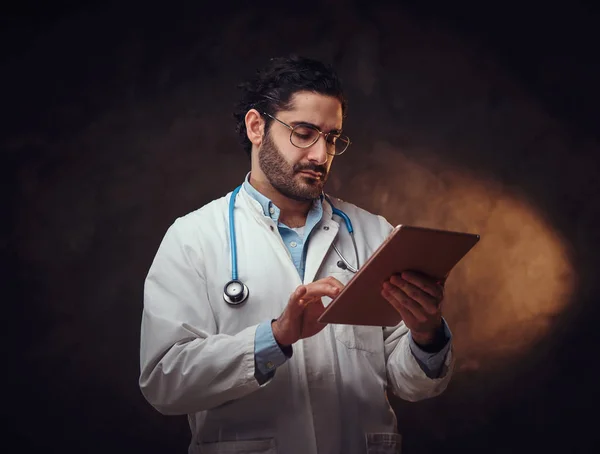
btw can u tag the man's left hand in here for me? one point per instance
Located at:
(418, 298)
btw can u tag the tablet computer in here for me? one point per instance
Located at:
(429, 251)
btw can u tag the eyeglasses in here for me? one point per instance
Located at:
(304, 135)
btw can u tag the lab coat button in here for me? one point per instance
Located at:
(326, 227)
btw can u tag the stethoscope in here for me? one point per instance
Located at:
(236, 292)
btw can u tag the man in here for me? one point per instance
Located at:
(251, 366)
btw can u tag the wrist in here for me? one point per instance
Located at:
(430, 337)
(423, 339)
(431, 341)
(279, 337)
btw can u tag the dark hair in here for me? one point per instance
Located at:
(272, 88)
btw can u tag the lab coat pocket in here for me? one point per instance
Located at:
(264, 446)
(365, 338)
(383, 443)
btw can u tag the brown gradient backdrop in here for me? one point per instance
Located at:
(120, 121)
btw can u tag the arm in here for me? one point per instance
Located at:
(186, 366)
(406, 375)
(418, 365)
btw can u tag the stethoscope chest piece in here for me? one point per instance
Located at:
(235, 292)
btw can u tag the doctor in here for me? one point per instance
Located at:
(229, 328)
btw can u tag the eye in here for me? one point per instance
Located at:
(302, 136)
(304, 132)
(332, 138)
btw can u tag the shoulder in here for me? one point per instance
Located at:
(199, 223)
(361, 217)
(205, 214)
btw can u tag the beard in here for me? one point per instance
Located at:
(287, 179)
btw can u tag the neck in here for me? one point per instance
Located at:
(293, 213)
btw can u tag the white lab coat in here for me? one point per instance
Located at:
(197, 352)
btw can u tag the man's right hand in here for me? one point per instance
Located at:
(299, 319)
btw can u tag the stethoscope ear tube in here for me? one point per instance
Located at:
(343, 263)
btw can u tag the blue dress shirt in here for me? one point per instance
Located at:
(268, 355)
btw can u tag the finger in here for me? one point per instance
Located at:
(300, 292)
(322, 288)
(403, 306)
(430, 304)
(391, 299)
(426, 283)
(333, 281)
(403, 302)
(421, 304)
(296, 298)
(407, 316)
(305, 302)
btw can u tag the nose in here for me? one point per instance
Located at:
(317, 152)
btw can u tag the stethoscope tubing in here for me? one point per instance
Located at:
(232, 241)
(235, 291)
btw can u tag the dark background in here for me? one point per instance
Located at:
(117, 119)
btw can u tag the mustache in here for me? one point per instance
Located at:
(311, 167)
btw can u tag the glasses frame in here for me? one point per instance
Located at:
(321, 133)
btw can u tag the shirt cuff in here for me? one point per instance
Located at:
(268, 355)
(432, 363)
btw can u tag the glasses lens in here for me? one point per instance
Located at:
(304, 136)
(341, 144)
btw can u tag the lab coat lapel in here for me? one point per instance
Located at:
(319, 243)
(320, 239)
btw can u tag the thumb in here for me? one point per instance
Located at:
(296, 303)
(300, 292)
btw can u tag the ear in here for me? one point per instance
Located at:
(255, 127)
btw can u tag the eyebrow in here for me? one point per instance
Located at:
(295, 123)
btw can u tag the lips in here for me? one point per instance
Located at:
(311, 174)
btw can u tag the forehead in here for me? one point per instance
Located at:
(321, 110)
